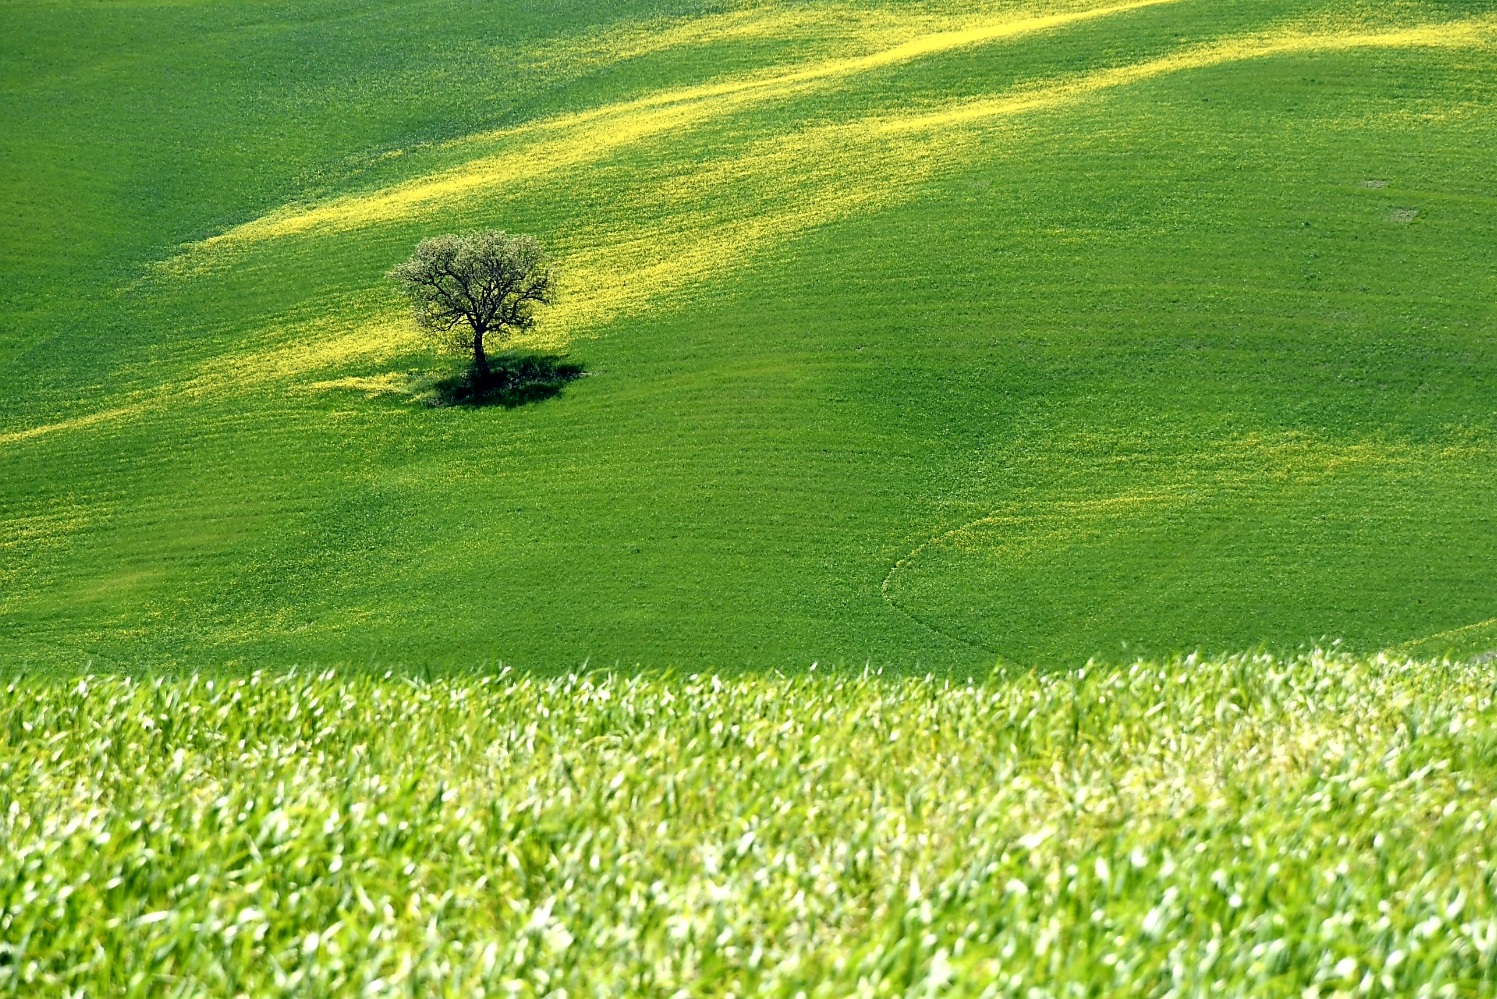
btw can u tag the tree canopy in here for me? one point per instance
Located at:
(467, 286)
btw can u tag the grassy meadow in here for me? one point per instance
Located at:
(926, 335)
(1320, 826)
(921, 344)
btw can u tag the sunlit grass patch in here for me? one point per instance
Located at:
(682, 221)
(282, 355)
(565, 144)
(536, 151)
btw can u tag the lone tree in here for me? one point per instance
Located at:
(469, 286)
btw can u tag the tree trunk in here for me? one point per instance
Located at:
(480, 359)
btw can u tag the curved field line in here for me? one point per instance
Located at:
(1292, 458)
(1055, 511)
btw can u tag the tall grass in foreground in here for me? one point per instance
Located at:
(1236, 826)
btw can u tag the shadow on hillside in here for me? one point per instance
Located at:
(516, 378)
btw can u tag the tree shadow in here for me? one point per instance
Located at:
(515, 378)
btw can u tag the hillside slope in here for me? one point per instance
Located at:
(921, 334)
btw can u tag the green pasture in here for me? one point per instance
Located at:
(926, 335)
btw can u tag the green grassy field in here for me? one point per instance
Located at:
(925, 335)
(1250, 827)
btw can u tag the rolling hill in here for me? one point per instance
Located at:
(927, 335)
